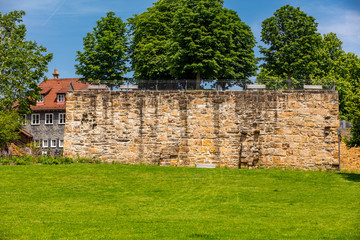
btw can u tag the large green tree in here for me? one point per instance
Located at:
(346, 72)
(192, 40)
(324, 58)
(151, 30)
(22, 64)
(151, 38)
(291, 38)
(238, 62)
(328, 63)
(105, 52)
(210, 42)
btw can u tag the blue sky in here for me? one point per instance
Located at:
(60, 25)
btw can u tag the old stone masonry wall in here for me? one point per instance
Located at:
(238, 129)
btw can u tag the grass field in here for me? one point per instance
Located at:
(99, 201)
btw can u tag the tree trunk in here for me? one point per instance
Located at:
(198, 80)
(289, 81)
(223, 86)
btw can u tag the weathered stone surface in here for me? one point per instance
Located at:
(350, 157)
(247, 129)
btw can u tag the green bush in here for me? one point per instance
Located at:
(45, 160)
(87, 160)
(5, 160)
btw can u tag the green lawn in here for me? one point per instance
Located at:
(99, 201)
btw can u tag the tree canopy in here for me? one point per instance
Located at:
(22, 64)
(105, 52)
(346, 71)
(298, 53)
(10, 123)
(192, 39)
(151, 32)
(292, 38)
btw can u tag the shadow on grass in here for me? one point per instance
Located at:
(354, 177)
(202, 236)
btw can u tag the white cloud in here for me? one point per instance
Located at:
(345, 23)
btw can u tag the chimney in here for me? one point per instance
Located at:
(56, 74)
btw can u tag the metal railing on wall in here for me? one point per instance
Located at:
(227, 84)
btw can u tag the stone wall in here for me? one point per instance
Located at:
(350, 158)
(237, 129)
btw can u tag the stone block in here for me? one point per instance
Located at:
(207, 142)
(213, 149)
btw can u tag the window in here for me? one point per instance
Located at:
(41, 99)
(53, 143)
(61, 143)
(37, 143)
(45, 143)
(35, 119)
(61, 97)
(61, 118)
(48, 118)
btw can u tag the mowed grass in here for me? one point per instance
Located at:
(85, 201)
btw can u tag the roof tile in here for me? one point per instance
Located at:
(50, 89)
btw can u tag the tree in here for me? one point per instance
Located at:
(210, 42)
(22, 65)
(298, 52)
(151, 37)
(346, 71)
(271, 80)
(239, 62)
(151, 30)
(105, 53)
(325, 58)
(192, 39)
(328, 52)
(10, 124)
(292, 38)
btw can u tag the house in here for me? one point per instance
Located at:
(46, 123)
(24, 138)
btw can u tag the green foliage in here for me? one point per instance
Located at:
(44, 160)
(327, 54)
(151, 32)
(106, 201)
(35, 148)
(105, 52)
(238, 61)
(271, 80)
(22, 64)
(292, 39)
(347, 71)
(298, 52)
(192, 39)
(354, 140)
(10, 124)
(210, 42)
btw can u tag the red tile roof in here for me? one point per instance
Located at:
(50, 89)
(26, 133)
